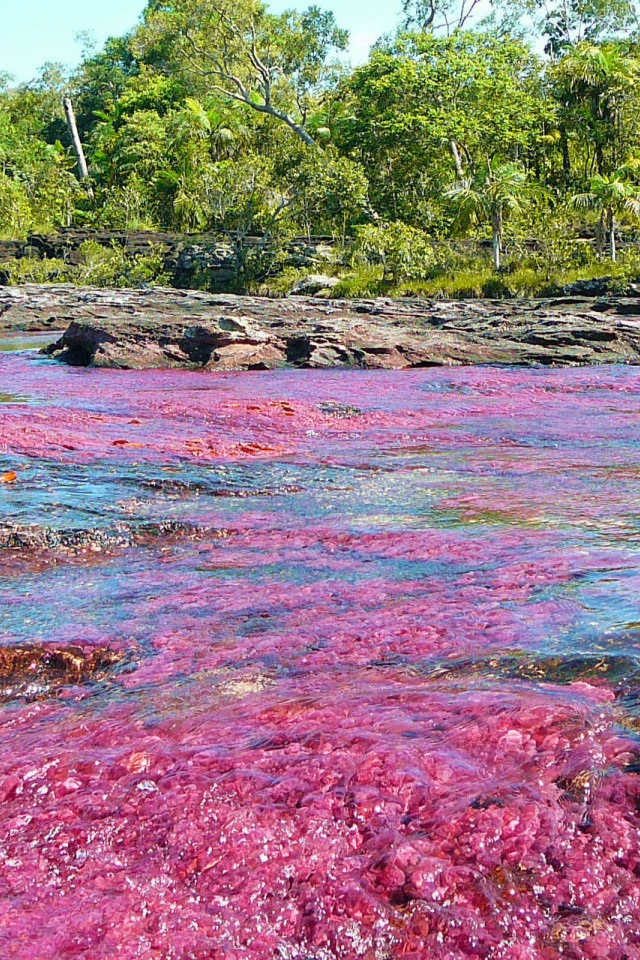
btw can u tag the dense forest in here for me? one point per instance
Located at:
(491, 150)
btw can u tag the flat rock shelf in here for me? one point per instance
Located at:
(164, 328)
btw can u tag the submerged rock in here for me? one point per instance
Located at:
(35, 672)
(38, 540)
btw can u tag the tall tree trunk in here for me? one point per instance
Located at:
(457, 159)
(566, 158)
(601, 235)
(612, 236)
(75, 138)
(497, 241)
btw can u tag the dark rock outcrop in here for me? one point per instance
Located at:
(175, 328)
(597, 287)
(36, 672)
(46, 542)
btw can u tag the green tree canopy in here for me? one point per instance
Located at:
(278, 65)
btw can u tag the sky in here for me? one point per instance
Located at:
(33, 32)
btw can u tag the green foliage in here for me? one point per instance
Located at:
(33, 270)
(16, 215)
(279, 284)
(365, 281)
(492, 198)
(565, 24)
(329, 193)
(273, 64)
(595, 89)
(614, 198)
(229, 118)
(426, 111)
(404, 252)
(98, 266)
(474, 277)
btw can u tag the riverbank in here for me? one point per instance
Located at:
(166, 328)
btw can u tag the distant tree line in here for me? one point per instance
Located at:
(221, 116)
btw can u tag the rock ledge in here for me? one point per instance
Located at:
(159, 328)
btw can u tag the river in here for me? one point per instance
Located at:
(356, 663)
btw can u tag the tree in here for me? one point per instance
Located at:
(329, 192)
(448, 15)
(567, 23)
(491, 199)
(38, 189)
(613, 198)
(100, 80)
(425, 109)
(277, 65)
(596, 88)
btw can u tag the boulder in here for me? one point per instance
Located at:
(314, 283)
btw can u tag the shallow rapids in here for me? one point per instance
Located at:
(318, 665)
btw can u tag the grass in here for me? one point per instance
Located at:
(480, 280)
(470, 277)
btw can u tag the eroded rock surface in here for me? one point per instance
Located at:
(42, 540)
(36, 672)
(175, 328)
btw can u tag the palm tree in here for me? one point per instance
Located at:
(614, 198)
(593, 82)
(600, 68)
(492, 199)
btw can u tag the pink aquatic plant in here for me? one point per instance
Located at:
(373, 696)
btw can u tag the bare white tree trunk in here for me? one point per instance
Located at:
(497, 240)
(457, 159)
(496, 252)
(612, 237)
(75, 138)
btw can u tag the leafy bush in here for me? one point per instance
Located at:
(99, 267)
(15, 210)
(32, 270)
(404, 252)
(112, 267)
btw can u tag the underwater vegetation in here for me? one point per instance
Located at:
(319, 665)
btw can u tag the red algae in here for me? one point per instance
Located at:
(392, 712)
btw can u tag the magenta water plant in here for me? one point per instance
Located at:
(376, 685)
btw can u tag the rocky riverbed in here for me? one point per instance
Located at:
(160, 328)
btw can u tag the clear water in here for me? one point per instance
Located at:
(384, 704)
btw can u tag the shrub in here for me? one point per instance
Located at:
(32, 270)
(112, 267)
(404, 252)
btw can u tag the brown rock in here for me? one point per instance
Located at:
(34, 672)
(176, 328)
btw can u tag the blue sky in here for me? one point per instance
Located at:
(36, 31)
